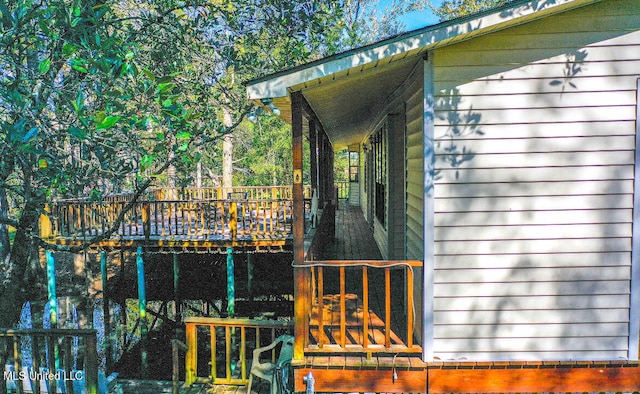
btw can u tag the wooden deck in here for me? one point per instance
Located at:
(260, 218)
(353, 239)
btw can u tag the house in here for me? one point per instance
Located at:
(499, 150)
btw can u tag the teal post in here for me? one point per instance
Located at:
(176, 290)
(231, 296)
(106, 312)
(51, 287)
(142, 303)
(54, 359)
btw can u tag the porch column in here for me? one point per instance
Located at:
(301, 275)
(313, 148)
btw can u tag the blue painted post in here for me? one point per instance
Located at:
(231, 296)
(54, 359)
(142, 304)
(51, 287)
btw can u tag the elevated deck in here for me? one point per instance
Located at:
(258, 218)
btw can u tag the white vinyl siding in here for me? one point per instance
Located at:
(414, 171)
(535, 154)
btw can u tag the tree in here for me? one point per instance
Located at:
(103, 96)
(450, 9)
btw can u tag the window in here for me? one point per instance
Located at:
(354, 166)
(379, 151)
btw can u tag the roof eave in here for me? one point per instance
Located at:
(399, 47)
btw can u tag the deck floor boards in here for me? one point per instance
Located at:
(353, 239)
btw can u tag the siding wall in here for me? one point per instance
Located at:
(414, 169)
(535, 130)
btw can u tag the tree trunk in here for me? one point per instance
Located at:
(227, 152)
(5, 245)
(15, 285)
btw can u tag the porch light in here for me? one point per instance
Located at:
(269, 103)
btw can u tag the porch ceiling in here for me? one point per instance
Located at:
(348, 106)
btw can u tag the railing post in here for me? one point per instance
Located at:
(233, 220)
(191, 359)
(46, 230)
(410, 316)
(17, 363)
(146, 221)
(91, 365)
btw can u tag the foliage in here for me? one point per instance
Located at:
(264, 154)
(366, 21)
(103, 96)
(450, 9)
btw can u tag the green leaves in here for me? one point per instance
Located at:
(107, 122)
(146, 162)
(44, 66)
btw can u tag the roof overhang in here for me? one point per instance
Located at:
(346, 90)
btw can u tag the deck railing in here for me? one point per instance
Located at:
(361, 306)
(245, 212)
(342, 190)
(221, 193)
(219, 351)
(64, 351)
(207, 219)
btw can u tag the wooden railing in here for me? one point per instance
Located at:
(55, 350)
(222, 193)
(219, 351)
(249, 213)
(361, 306)
(208, 219)
(342, 189)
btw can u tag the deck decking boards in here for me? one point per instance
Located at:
(353, 239)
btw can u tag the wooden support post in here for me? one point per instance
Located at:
(68, 363)
(91, 365)
(17, 364)
(231, 286)
(191, 359)
(301, 275)
(176, 290)
(106, 313)
(250, 275)
(52, 349)
(142, 304)
(313, 148)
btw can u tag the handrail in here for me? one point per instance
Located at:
(239, 336)
(48, 342)
(207, 219)
(347, 322)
